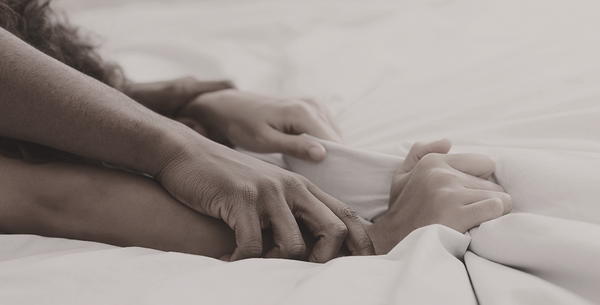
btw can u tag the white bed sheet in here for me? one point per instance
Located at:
(518, 80)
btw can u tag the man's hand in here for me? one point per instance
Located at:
(265, 124)
(252, 196)
(432, 187)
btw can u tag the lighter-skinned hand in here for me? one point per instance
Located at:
(265, 124)
(433, 187)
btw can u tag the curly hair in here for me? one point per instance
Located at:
(34, 22)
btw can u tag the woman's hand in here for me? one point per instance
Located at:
(264, 124)
(432, 187)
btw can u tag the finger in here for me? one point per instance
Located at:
(419, 150)
(470, 196)
(479, 212)
(477, 165)
(248, 237)
(328, 230)
(357, 240)
(477, 183)
(294, 145)
(287, 238)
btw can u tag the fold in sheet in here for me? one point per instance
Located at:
(361, 179)
(546, 251)
(424, 269)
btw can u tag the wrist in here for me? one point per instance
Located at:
(171, 144)
(384, 236)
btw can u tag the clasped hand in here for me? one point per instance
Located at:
(433, 187)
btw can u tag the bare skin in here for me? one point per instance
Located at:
(433, 187)
(259, 204)
(46, 102)
(88, 202)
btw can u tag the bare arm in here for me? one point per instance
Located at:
(92, 203)
(46, 102)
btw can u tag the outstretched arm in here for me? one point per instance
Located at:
(46, 102)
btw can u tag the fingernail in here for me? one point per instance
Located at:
(317, 153)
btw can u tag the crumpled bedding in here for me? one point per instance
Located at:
(518, 80)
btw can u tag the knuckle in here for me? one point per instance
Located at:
(496, 207)
(348, 213)
(272, 186)
(339, 230)
(438, 177)
(294, 183)
(249, 193)
(429, 160)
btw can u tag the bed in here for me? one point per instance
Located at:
(518, 80)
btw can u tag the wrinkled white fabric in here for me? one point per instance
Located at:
(498, 284)
(37, 270)
(516, 79)
(561, 252)
(359, 178)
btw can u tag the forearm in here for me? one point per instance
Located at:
(97, 204)
(46, 102)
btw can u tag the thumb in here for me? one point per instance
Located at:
(419, 150)
(297, 146)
